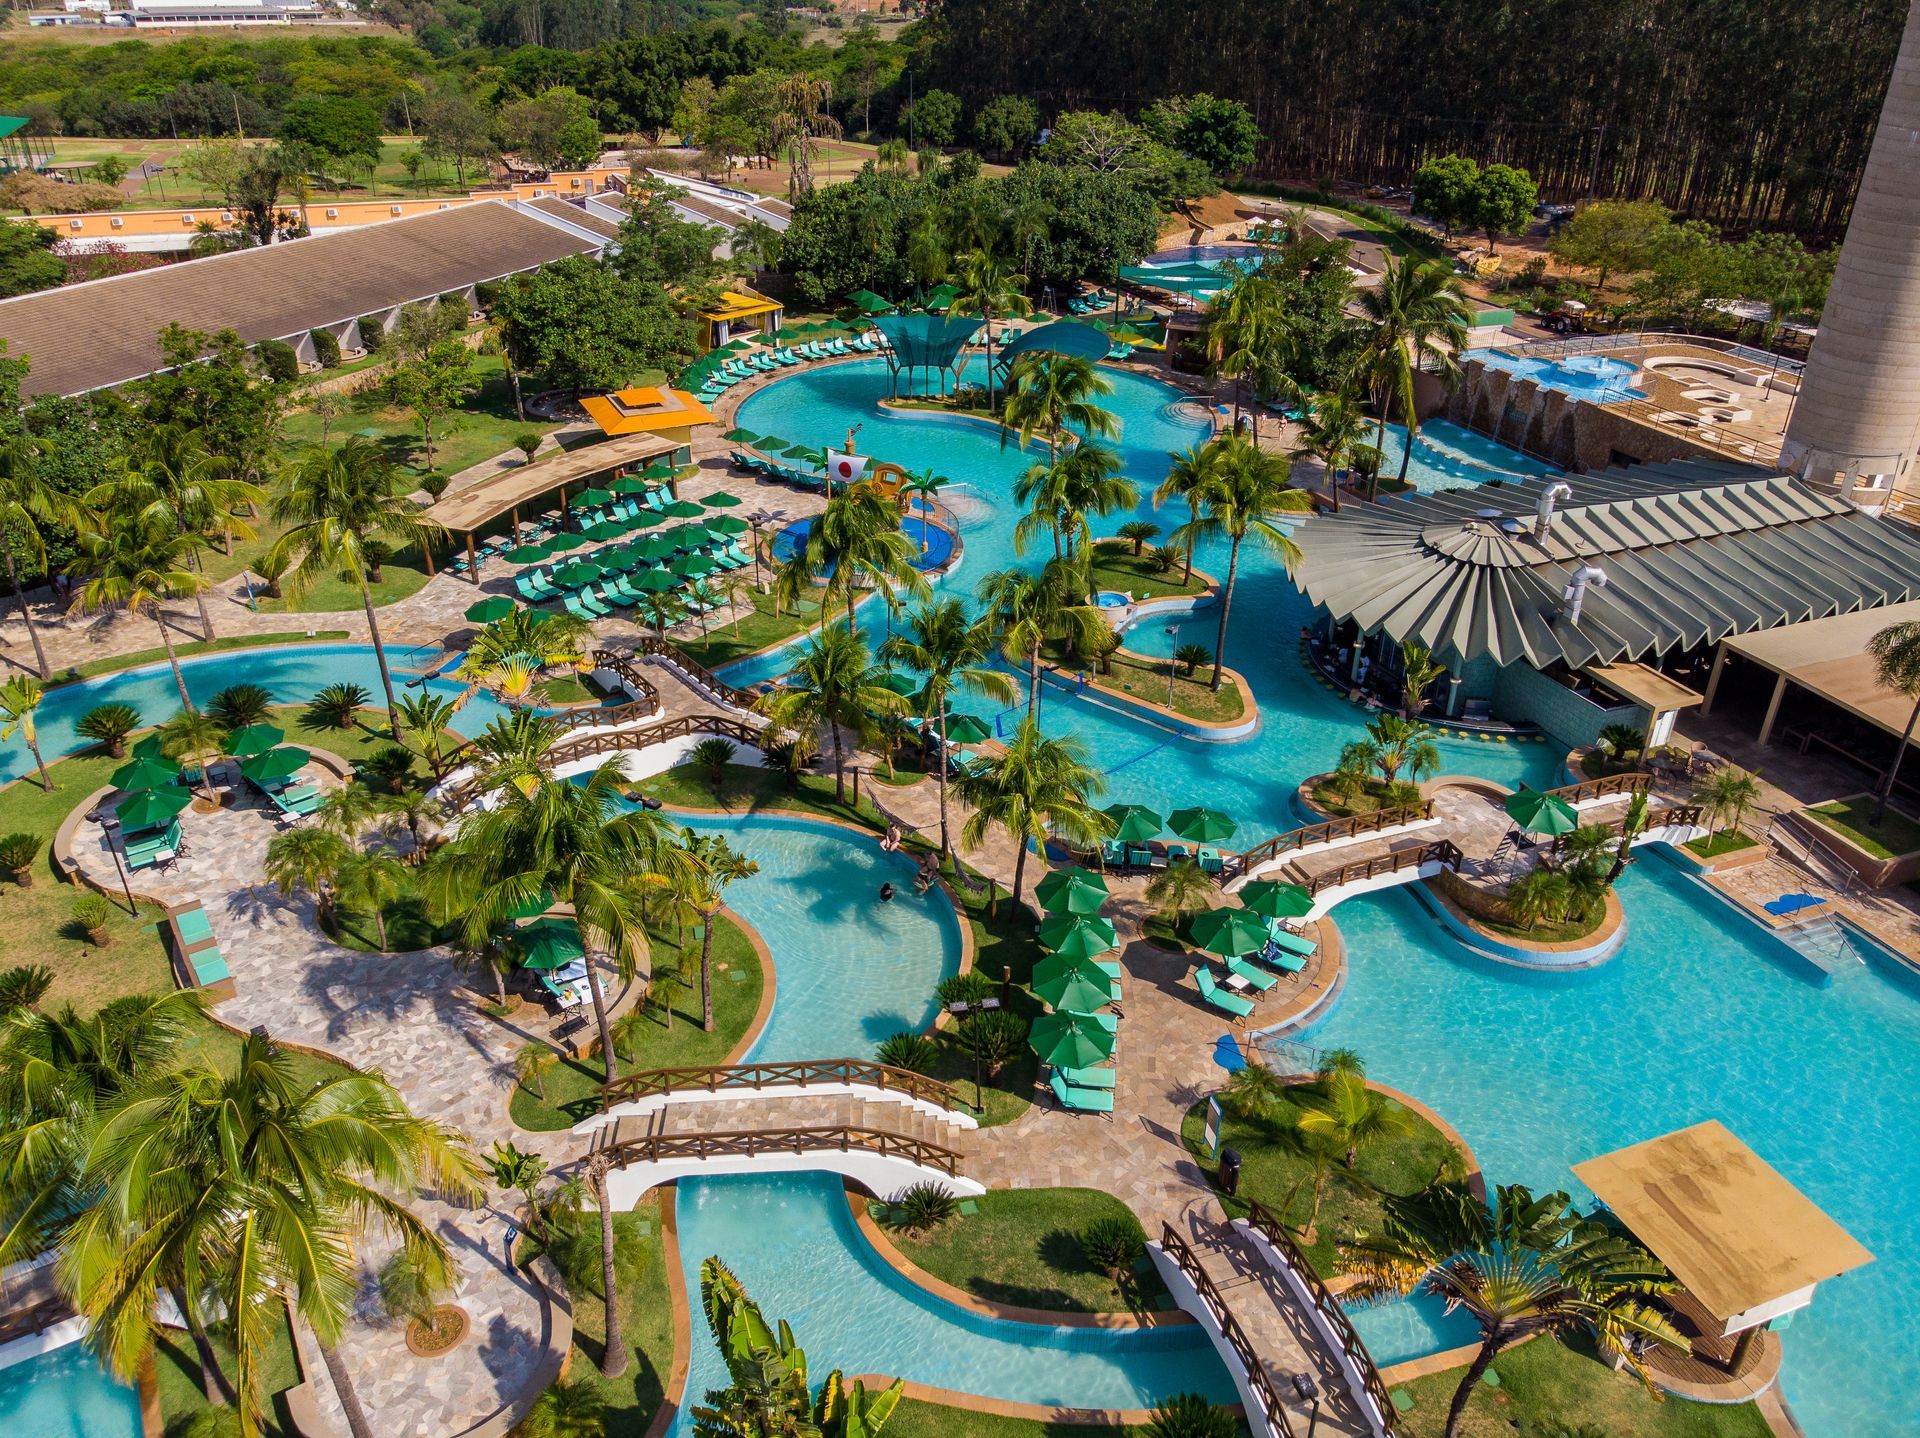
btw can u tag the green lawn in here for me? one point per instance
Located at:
(1022, 1248)
(176, 1371)
(754, 632)
(1727, 841)
(1896, 834)
(1115, 567)
(571, 1089)
(1274, 1172)
(1547, 1389)
(1146, 679)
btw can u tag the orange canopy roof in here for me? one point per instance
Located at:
(645, 411)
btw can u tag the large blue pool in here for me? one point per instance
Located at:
(65, 1393)
(1599, 379)
(934, 544)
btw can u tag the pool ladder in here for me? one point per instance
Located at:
(1825, 944)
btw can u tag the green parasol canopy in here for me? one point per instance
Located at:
(722, 500)
(1071, 891)
(868, 303)
(589, 497)
(548, 944)
(150, 808)
(581, 571)
(1541, 813)
(740, 436)
(802, 451)
(967, 729)
(630, 484)
(529, 554)
(653, 581)
(1201, 826)
(898, 682)
(255, 739)
(534, 907)
(1070, 1041)
(1072, 984)
(276, 764)
(683, 509)
(560, 543)
(603, 532)
(727, 524)
(695, 566)
(1229, 932)
(654, 546)
(1274, 900)
(658, 472)
(1133, 823)
(493, 607)
(1076, 936)
(145, 774)
(770, 444)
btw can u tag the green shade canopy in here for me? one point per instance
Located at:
(722, 500)
(630, 484)
(683, 509)
(770, 444)
(1070, 1041)
(1076, 937)
(728, 525)
(276, 764)
(581, 571)
(603, 532)
(529, 553)
(658, 472)
(1202, 826)
(1071, 891)
(967, 729)
(898, 682)
(255, 739)
(1541, 813)
(1274, 900)
(1133, 823)
(740, 436)
(548, 944)
(868, 303)
(589, 497)
(1072, 984)
(145, 774)
(802, 451)
(653, 581)
(653, 546)
(695, 566)
(493, 607)
(151, 808)
(566, 541)
(1229, 932)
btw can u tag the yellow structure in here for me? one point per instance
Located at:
(669, 413)
(738, 314)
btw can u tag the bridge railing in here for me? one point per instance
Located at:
(678, 658)
(844, 1138)
(1443, 851)
(1178, 1249)
(1634, 781)
(1348, 827)
(1328, 1307)
(728, 1078)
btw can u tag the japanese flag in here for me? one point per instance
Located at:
(845, 468)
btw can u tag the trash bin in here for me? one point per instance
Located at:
(1230, 1170)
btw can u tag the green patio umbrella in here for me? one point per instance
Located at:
(548, 944)
(727, 524)
(1201, 826)
(802, 451)
(695, 566)
(1070, 1041)
(560, 543)
(145, 774)
(1274, 900)
(588, 498)
(1229, 932)
(968, 729)
(1133, 823)
(1541, 813)
(1072, 984)
(653, 581)
(868, 303)
(658, 472)
(529, 554)
(654, 546)
(630, 484)
(253, 739)
(740, 436)
(683, 509)
(276, 764)
(1071, 891)
(581, 571)
(769, 444)
(533, 908)
(603, 532)
(1077, 936)
(722, 500)
(150, 808)
(899, 683)
(493, 607)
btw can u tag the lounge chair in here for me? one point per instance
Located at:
(1209, 861)
(1177, 852)
(1113, 853)
(1109, 1022)
(1289, 943)
(1138, 858)
(1275, 958)
(1081, 1100)
(1257, 979)
(1090, 1078)
(1219, 998)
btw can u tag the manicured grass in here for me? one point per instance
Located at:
(1549, 1388)
(1896, 834)
(176, 1371)
(1146, 679)
(93, 668)
(1564, 932)
(727, 641)
(571, 1089)
(1275, 1172)
(401, 577)
(1023, 1248)
(1727, 841)
(917, 1419)
(1376, 796)
(1116, 567)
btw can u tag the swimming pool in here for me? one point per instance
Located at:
(934, 544)
(793, 1242)
(1701, 1015)
(1446, 456)
(65, 1393)
(1596, 378)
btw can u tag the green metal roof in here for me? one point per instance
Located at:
(1692, 551)
(11, 125)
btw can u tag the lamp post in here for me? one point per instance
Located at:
(1172, 664)
(960, 1009)
(1308, 1392)
(112, 826)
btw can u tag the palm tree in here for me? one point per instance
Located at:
(523, 639)
(309, 860)
(20, 696)
(27, 502)
(1521, 1267)
(1402, 744)
(992, 291)
(374, 879)
(1246, 494)
(614, 1360)
(1023, 610)
(939, 641)
(1060, 496)
(1052, 395)
(1538, 894)
(1352, 1116)
(1725, 791)
(924, 488)
(800, 120)
(1243, 331)
(1896, 664)
(337, 505)
(1418, 674)
(835, 687)
(857, 544)
(1189, 473)
(1039, 786)
(429, 717)
(1419, 317)
(719, 865)
(1138, 533)
(1632, 825)
(1334, 433)
(195, 738)
(571, 1408)
(662, 609)
(1180, 889)
(135, 565)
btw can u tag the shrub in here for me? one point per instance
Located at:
(1165, 557)
(239, 705)
(108, 725)
(326, 348)
(278, 359)
(436, 483)
(992, 1038)
(272, 567)
(17, 853)
(378, 553)
(373, 338)
(1113, 1245)
(712, 756)
(967, 988)
(1254, 1092)
(1191, 656)
(337, 706)
(92, 913)
(527, 444)
(913, 1052)
(388, 769)
(1189, 1415)
(921, 1207)
(1620, 742)
(24, 986)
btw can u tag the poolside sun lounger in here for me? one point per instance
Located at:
(1218, 997)
(1081, 1100)
(1109, 1022)
(1274, 957)
(1255, 978)
(1290, 943)
(1090, 1078)
(1209, 861)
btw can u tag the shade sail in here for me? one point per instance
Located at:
(927, 341)
(1064, 337)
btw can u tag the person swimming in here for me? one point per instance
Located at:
(886, 893)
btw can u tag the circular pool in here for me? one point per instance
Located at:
(934, 543)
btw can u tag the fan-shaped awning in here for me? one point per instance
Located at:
(1065, 337)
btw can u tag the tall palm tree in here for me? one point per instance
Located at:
(579, 843)
(1348, 1113)
(856, 544)
(134, 565)
(1520, 1267)
(1024, 610)
(801, 119)
(1247, 493)
(195, 738)
(337, 505)
(1189, 472)
(1039, 786)
(20, 696)
(953, 653)
(27, 502)
(1419, 317)
(1896, 664)
(1726, 793)
(1060, 496)
(1334, 432)
(835, 686)
(924, 488)
(308, 860)
(1243, 331)
(1418, 674)
(1052, 396)
(990, 289)
(720, 864)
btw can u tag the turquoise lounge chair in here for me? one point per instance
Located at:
(1291, 943)
(1080, 1100)
(1209, 861)
(1219, 998)
(1286, 963)
(1089, 1078)
(1256, 978)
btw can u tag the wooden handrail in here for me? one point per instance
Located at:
(1634, 781)
(674, 655)
(1445, 851)
(713, 1078)
(1327, 1306)
(658, 1147)
(1182, 1253)
(1346, 827)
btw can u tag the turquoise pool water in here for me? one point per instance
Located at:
(1702, 1015)
(66, 1394)
(792, 1240)
(1595, 378)
(1446, 456)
